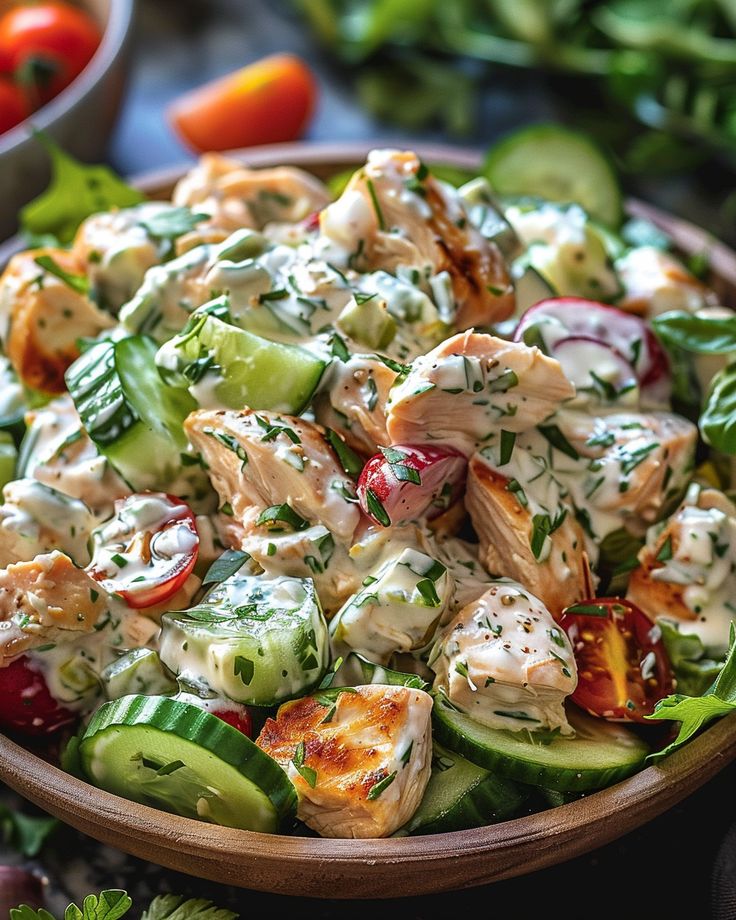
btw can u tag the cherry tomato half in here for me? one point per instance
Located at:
(148, 550)
(13, 106)
(47, 45)
(27, 704)
(405, 482)
(623, 668)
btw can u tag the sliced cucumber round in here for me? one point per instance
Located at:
(559, 165)
(460, 795)
(227, 367)
(600, 754)
(175, 756)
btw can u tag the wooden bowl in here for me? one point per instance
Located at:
(80, 118)
(393, 867)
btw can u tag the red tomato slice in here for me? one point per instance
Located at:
(239, 718)
(623, 668)
(405, 482)
(148, 550)
(27, 704)
(47, 45)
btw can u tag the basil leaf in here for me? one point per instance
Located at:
(704, 335)
(695, 672)
(718, 419)
(230, 562)
(76, 191)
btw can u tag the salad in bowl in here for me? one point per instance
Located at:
(395, 511)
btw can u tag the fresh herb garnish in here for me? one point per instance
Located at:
(78, 283)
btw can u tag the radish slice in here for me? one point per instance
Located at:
(550, 321)
(403, 483)
(593, 365)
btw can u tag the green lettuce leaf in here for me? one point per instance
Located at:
(695, 672)
(705, 335)
(694, 712)
(76, 191)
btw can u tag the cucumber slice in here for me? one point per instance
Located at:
(8, 458)
(227, 367)
(559, 165)
(133, 417)
(531, 288)
(138, 671)
(359, 670)
(487, 215)
(174, 756)
(460, 795)
(254, 640)
(601, 753)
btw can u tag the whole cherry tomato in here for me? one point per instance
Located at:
(623, 668)
(13, 105)
(47, 45)
(148, 550)
(27, 704)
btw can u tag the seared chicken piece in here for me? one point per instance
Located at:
(354, 404)
(471, 385)
(234, 196)
(115, 249)
(35, 518)
(655, 282)
(631, 466)
(46, 600)
(686, 568)
(397, 610)
(504, 662)
(61, 455)
(539, 545)
(360, 764)
(394, 213)
(42, 316)
(260, 460)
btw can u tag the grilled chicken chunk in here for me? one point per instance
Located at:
(261, 460)
(394, 213)
(360, 764)
(35, 518)
(538, 544)
(116, 248)
(504, 662)
(686, 568)
(398, 610)
(655, 282)
(630, 468)
(42, 316)
(354, 404)
(61, 455)
(471, 385)
(234, 196)
(46, 600)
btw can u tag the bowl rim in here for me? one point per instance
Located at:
(373, 868)
(108, 52)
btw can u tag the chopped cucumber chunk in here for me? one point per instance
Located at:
(256, 641)
(138, 671)
(227, 367)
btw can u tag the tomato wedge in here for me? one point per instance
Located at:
(623, 668)
(27, 704)
(148, 550)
